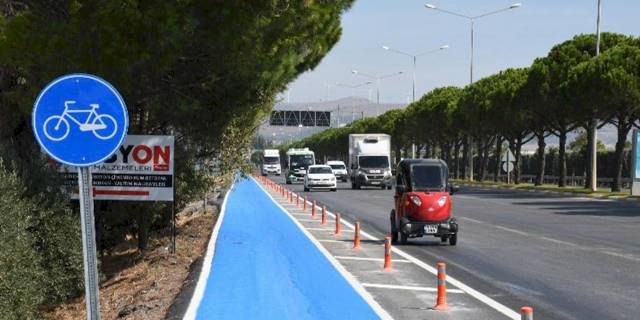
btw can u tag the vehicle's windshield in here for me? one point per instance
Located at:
(271, 160)
(374, 161)
(427, 177)
(337, 166)
(301, 160)
(320, 170)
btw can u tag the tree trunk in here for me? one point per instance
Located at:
(456, 161)
(470, 158)
(587, 156)
(517, 169)
(479, 143)
(541, 158)
(465, 158)
(623, 131)
(562, 158)
(446, 153)
(485, 164)
(496, 174)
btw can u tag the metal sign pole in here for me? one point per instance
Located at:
(89, 244)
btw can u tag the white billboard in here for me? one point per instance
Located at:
(141, 170)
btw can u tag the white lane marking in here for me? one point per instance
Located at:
(383, 314)
(511, 314)
(390, 286)
(514, 231)
(621, 255)
(369, 259)
(330, 241)
(566, 243)
(472, 220)
(559, 241)
(308, 220)
(319, 229)
(207, 263)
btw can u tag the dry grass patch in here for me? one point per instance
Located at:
(143, 285)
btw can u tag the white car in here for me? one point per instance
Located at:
(320, 177)
(339, 169)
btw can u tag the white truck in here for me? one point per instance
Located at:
(271, 162)
(298, 161)
(370, 160)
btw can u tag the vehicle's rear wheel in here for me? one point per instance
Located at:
(453, 239)
(443, 239)
(388, 187)
(383, 187)
(306, 189)
(288, 181)
(334, 189)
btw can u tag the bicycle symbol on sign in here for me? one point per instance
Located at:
(57, 127)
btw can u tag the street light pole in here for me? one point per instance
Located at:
(378, 79)
(414, 58)
(593, 144)
(472, 20)
(353, 87)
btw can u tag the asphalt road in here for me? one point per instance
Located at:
(569, 258)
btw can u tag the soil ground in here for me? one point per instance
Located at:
(143, 285)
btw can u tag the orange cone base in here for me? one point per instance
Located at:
(441, 307)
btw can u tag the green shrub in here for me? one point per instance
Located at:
(40, 244)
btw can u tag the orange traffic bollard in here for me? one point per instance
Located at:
(313, 209)
(356, 236)
(337, 232)
(304, 204)
(297, 199)
(441, 301)
(387, 253)
(526, 313)
(323, 221)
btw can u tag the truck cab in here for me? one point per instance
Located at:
(298, 161)
(271, 162)
(370, 160)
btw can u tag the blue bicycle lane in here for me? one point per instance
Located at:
(265, 267)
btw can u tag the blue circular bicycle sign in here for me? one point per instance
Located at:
(80, 119)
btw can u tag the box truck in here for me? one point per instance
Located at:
(271, 162)
(370, 160)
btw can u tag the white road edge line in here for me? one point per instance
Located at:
(207, 263)
(370, 259)
(330, 241)
(383, 314)
(511, 314)
(390, 286)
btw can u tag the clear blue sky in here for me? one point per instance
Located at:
(510, 39)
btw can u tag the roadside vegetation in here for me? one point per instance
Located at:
(558, 94)
(204, 71)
